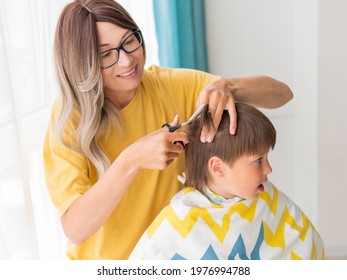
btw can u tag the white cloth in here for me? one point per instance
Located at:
(192, 227)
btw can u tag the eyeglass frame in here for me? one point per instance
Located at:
(120, 47)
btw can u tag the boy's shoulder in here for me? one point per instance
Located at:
(190, 197)
(273, 192)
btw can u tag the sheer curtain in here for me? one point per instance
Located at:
(29, 226)
(142, 13)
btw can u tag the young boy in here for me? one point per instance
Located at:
(229, 209)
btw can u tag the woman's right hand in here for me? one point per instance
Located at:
(90, 211)
(157, 149)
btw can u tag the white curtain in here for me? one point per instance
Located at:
(142, 13)
(29, 226)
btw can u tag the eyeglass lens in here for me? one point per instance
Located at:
(129, 45)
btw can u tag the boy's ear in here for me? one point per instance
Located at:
(216, 166)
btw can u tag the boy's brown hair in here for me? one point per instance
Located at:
(255, 134)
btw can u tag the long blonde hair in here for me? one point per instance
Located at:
(77, 63)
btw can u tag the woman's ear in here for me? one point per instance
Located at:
(216, 166)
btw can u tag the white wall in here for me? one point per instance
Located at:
(247, 38)
(332, 120)
(304, 44)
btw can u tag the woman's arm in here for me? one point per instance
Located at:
(258, 91)
(89, 212)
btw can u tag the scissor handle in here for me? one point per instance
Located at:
(171, 128)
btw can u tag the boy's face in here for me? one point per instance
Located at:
(244, 178)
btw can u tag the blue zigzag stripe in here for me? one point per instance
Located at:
(238, 249)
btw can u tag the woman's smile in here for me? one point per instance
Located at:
(128, 75)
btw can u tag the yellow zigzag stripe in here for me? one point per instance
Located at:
(183, 227)
(277, 239)
(188, 190)
(294, 256)
(272, 203)
(314, 252)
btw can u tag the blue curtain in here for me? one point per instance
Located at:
(180, 28)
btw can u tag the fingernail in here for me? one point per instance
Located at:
(232, 131)
(210, 139)
(203, 139)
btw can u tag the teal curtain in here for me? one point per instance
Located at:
(180, 28)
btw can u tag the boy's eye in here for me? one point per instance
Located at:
(259, 160)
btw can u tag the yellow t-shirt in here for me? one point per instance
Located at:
(162, 93)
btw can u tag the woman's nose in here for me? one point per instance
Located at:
(124, 58)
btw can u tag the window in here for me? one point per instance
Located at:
(29, 225)
(142, 13)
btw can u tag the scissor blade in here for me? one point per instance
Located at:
(193, 117)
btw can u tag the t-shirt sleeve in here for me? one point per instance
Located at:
(66, 171)
(183, 85)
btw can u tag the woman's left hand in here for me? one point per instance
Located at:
(219, 97)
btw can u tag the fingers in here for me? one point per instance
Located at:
(217, 104)
(175, 121)
(216, 112)
(169, 153)
(176, 137)
(233, 118)
(168, 148)
(219, 97)
(157, 149)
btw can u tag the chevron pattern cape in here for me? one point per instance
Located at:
(193, 227)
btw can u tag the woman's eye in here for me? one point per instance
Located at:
(106, 54)
(129, 41)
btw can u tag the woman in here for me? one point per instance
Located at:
(106, 158)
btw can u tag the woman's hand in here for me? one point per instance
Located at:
(257, 91)
(157, 149)
(219, 97)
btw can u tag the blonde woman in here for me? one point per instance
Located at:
(110, 167)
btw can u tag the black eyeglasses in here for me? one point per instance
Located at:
(130, 44)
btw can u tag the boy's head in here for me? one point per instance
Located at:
(232, 165)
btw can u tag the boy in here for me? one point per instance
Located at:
(228, 209)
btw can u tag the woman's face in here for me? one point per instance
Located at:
(121, 79)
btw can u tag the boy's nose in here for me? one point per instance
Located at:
(267, 168)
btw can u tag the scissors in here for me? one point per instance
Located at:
(173, 128)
